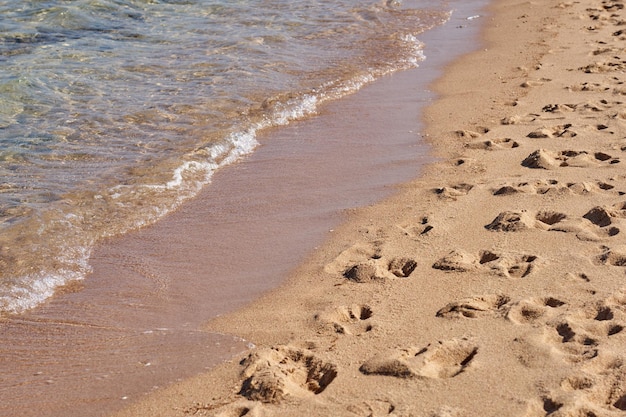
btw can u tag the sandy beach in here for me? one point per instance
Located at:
(493, 284)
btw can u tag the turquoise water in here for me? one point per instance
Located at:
(114, 112)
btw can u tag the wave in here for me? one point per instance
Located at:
(50, 248)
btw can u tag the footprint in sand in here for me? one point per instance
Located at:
(560, 131)
(493, 144)
(549, 160)
(597, 389)
(603, 220)
(604, 50)
(604, 66)
(380, 270)
(589, 86)
(551, 186)
(452, 192)
(273, 374)
(568, 336)
(577, 332)
(457, 261)
(615, 256)
(472, 134)
(613, 307)
(515, 221)
(364, 272)
(568, 339)
(347, 320)
(602, 319)
(588, 107)
(531, 310)
(559, 108)
(444, 359)
(571, 339)
(534, 187)
(581, 331)
(401, 267)
(469, 164)
(417, 230)
(582, 228)
(585, 230)
(589, 187)
(493, 305)
(364, 263)
(509, 265)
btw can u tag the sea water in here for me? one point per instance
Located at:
(114, 112)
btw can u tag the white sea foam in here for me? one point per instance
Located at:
(31, 290)
(417, 51)
(202, 168)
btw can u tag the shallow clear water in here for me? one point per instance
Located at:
(113, 112)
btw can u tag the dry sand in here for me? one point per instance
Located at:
(494, 285)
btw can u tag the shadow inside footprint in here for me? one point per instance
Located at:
(402, 267)
(598, 216)
(603, 217)
(604, 313)
(620, 403)
(550, 406)
(565, 331)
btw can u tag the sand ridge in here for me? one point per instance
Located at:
(495, 284)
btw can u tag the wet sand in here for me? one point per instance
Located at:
(137, 323)
(493, 284)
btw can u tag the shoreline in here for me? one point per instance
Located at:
(493, 284)
(117, 336)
